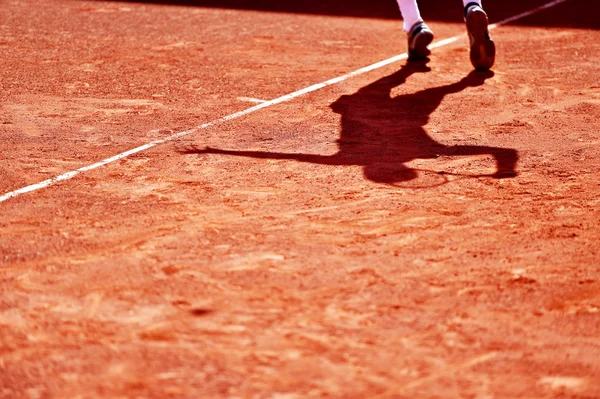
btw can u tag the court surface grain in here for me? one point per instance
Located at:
(410, 232)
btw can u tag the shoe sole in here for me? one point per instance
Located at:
(419, 48)
(483, 49)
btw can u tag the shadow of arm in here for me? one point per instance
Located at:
(506, 158)
(310, 158)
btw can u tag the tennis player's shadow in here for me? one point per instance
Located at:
(382, 133)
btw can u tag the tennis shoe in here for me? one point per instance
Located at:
(483, 49)
(419, 37)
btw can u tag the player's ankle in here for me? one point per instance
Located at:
(470, 6)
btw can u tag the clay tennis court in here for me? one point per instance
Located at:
(184, 214)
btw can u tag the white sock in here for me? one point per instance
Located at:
(410, 13)
(478, 2)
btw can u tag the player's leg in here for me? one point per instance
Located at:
(419, 34)
(483, 49)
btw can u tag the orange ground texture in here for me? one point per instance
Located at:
(417, 231)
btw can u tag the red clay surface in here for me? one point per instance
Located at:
(354, 242)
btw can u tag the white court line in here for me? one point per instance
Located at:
(287, 97)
